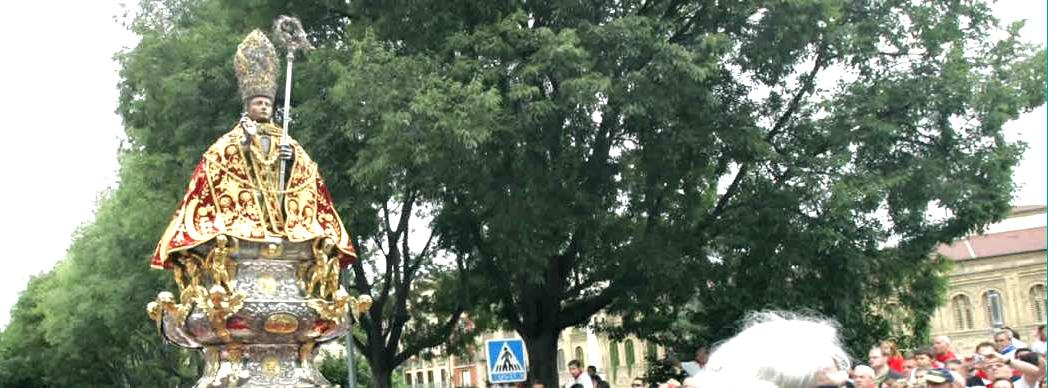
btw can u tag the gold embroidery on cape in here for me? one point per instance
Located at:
(238, 197)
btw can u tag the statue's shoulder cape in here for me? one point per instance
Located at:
(221, 199)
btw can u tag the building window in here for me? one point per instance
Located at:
(443, 377)
(407, 379)
(560, 360)
(653, 351)
(631, 357)
(994, 308)
(580, 355)
(418, 379)
(466, 378)
(613, 353)
(430, 378)
(1037, 300)
(962, 313)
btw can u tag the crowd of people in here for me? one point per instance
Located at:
(786, 350)
(1004, 362)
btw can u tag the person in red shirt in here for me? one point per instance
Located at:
(942, 350)
(895, 360)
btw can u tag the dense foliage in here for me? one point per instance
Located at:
(674, 163)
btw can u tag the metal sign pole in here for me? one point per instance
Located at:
(351, 356)
(351, 359)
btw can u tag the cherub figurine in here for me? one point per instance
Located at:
(333, 311)
(165, 303)
(221, 306)
(331, 281)
(218, 262)
(193, 292)
(324, 269)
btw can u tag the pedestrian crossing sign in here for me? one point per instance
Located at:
(507, 360)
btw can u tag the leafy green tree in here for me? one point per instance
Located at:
(336, 369)
(24, 352)
(633, 156)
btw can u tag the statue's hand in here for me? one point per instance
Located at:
(286, 152)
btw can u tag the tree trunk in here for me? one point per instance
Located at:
(381, 368)
(542, 357)
(381, 378)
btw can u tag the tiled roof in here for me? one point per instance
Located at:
(996, 244)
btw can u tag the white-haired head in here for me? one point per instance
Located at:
(864, 371)
(941, 344)
(785, 349)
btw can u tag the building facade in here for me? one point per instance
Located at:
(998, 280)
(618, 362)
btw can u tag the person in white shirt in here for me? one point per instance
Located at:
(1014, 336)
(578, 375)
(1031, 365)
(692, 368)
(1039, 344)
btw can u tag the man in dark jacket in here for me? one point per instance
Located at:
(597, 381)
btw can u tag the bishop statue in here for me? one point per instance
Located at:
(235, 190)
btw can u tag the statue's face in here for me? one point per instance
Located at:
(260, 109)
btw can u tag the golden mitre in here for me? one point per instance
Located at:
(256, 65)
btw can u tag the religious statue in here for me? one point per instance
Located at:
(255, 222)
(235, 189)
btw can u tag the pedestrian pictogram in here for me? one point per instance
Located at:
(507, 360)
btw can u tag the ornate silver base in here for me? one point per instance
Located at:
(261, 366)
(257, 311)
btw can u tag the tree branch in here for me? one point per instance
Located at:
(400, 309)
(405, 216)
(808, 83)
(435, 338)
(576, 313)
(685, 30)
(425, 248)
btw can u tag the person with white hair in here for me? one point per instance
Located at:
(785, 349)
(942, 350)
(709, 379)
(864, 376)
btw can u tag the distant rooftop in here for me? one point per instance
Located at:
(1025, 210)
(997, 244)
(1023, 230)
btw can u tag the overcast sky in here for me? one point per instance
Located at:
(59, 96)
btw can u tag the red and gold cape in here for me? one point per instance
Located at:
(224, 197)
